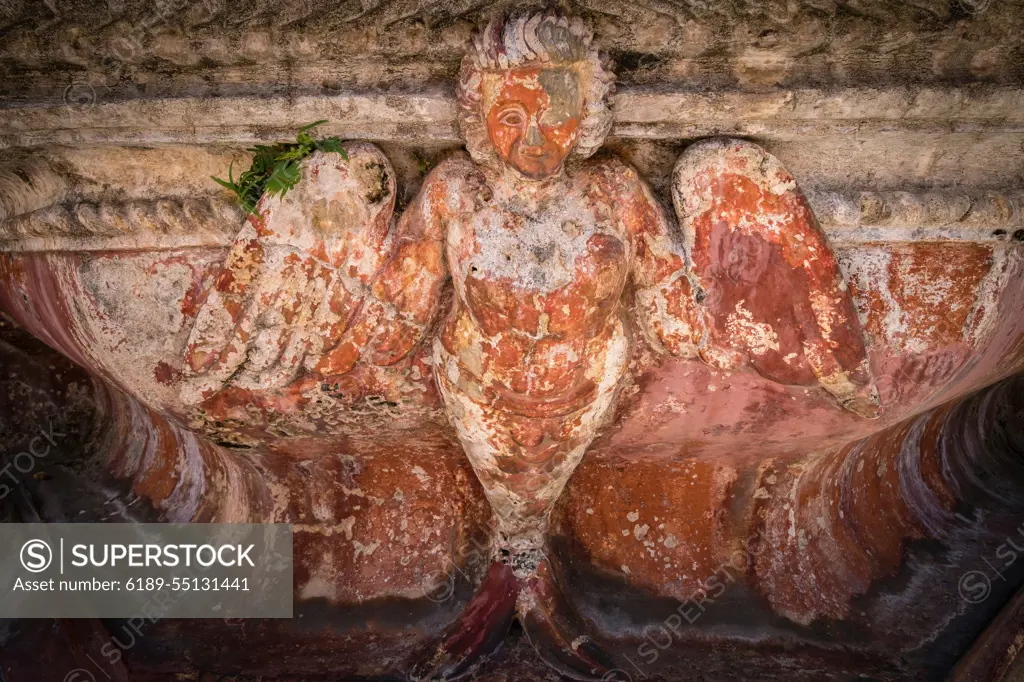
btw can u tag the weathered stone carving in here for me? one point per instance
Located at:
(883, 535)
(856, 218)
(27, 185)
(309, 368)
(543, 245)
(769, 290)
(301, 294)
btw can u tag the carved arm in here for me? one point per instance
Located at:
(664, 297)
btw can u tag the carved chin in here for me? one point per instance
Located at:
(535, 167)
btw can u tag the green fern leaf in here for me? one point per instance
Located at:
(275, 169)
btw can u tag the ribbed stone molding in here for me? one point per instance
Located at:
(173, 222)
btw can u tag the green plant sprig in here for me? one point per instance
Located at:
(275, 168)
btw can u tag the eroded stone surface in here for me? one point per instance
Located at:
(769, 289)
(304, 368)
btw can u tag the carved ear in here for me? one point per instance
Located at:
(774, 297)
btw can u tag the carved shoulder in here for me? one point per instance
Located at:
(614, 180)
(614, 168)
(452, 186)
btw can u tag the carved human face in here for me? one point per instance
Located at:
(534, 118)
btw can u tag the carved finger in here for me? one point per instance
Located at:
(220, 320)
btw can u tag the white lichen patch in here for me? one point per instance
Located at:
(759, 337)
(420, 474)
(532, 252)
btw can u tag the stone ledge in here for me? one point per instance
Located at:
(431, 116)
(174, 223)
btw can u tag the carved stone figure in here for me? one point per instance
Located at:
(605, 380)
(546, 248)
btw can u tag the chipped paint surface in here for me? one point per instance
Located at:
(772, 294)
(302, 296)
(849, 559)
(666, 524)
(839, 522)
(373, 523)
(532, 353)
(938, 294)
(530, 396)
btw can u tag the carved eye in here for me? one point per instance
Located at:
(512, 118)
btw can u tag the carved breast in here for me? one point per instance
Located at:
(557, 272)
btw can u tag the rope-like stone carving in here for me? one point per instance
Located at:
(28, 185)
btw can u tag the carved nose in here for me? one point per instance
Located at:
(533, 138)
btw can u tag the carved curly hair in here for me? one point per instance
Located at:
(529, 39)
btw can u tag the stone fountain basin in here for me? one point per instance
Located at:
(941, 319)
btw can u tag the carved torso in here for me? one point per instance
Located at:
(538, 278)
